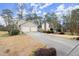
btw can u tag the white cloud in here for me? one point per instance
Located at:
(24, 12)
(70, 8)
(37, 7)
(66, 11)
(60, 8)
(60, 11)
(34, 10)
(46, 5)
(34, 5)
(44, 13)
(39, 12)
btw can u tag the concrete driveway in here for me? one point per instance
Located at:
(63, 46)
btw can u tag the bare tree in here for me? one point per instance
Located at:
(72, 21)
(75, 21)
(20, 8)
(53, 20)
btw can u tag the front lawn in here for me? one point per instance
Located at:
(18, 45)
(3, 33)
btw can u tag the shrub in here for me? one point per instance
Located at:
(14, 32)
(45, 52)
(58, 30)
(46, 31)
(77, 38)
(61, 33)
(51, 30)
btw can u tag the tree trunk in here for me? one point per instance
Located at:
(45, 25)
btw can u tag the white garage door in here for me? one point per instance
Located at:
(29, 29)
(33, 28)
(25, 29)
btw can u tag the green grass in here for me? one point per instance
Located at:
(69, 33)
(3, 34)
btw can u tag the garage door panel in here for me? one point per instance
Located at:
(25, 29)
(29, 29)
(33, 28)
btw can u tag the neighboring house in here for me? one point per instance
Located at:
(46, 26)
(28, 27)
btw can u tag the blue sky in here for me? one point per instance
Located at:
(40, 8)
(50, 7)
